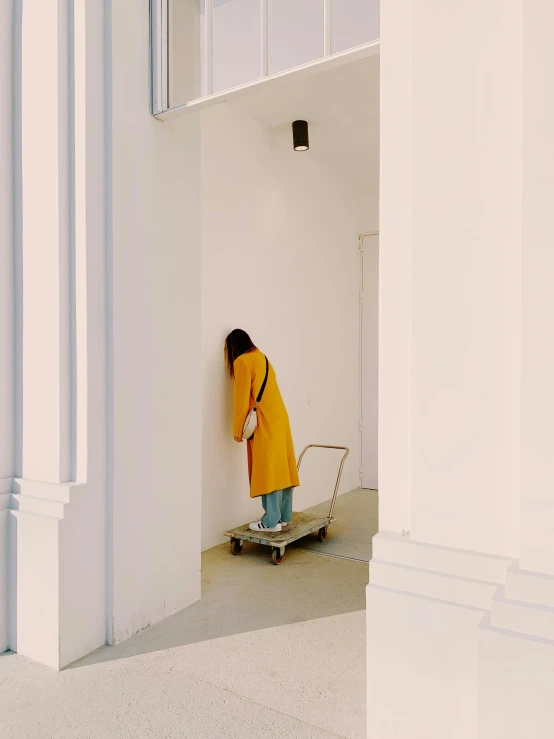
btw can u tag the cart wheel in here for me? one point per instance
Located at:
(322, 534)
(236, 546)
(277, 557)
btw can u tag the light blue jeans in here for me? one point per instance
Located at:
(278, 507)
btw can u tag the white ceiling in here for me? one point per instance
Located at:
(341, 106)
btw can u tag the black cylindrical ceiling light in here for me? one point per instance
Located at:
(300, 136)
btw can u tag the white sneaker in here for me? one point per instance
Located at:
(284, 523)
(259, 526)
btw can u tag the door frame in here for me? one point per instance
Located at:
(361, 237)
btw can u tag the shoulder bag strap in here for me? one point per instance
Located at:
(262, 389)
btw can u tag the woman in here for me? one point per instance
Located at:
(271, 461)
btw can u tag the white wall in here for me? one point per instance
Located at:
(279, 259)
(156, 343)
(6, 298)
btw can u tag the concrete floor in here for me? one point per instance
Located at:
(357, 523)
(268, 652)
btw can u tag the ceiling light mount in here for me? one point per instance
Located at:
(300, 136)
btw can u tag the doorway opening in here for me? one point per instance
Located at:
(280, 259)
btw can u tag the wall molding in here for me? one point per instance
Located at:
(513, 600)
(42, 498)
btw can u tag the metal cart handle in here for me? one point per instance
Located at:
(346, 451)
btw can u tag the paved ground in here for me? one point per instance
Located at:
(268, 652)
(356, 525)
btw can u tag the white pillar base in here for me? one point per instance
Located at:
(516, 674)
(516, 659)
(55, 615)
(422, 666)
(460, 645)
(424, 606)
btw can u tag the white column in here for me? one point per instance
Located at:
(44, 424)
(466, 226)
(57, 525)
(45, 442)
(517, 648)
(537, 429)
(395, 264)
(451, 72)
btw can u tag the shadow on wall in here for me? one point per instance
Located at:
(248, 593)
(11, 578)
(7, 604)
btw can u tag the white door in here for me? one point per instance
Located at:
(369, 350)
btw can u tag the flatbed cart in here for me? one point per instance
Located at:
(302, 524)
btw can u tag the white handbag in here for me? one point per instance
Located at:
(251, 423)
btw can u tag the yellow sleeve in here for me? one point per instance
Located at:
(243, 385)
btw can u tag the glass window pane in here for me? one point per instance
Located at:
(236, 42)
(295, 33)
(183, 51)
(353, 22)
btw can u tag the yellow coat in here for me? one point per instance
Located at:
(271, 460)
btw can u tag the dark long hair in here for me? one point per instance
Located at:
(236, 344)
